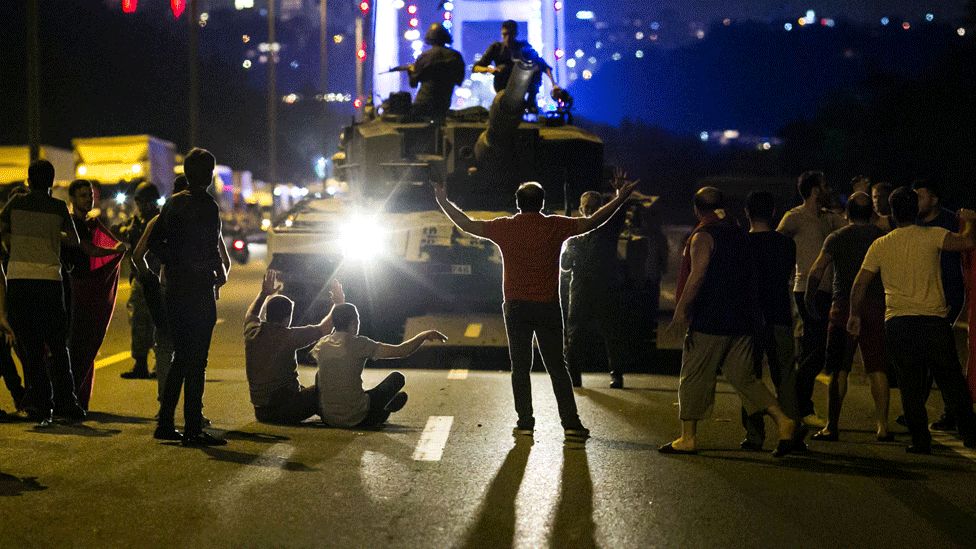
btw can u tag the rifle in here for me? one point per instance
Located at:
(398, 68)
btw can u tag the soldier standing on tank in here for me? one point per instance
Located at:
(500, 56)
(437, 71)
(145, 333)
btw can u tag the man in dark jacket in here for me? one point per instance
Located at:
(437, 71)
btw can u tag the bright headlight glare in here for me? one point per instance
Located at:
(362, 238)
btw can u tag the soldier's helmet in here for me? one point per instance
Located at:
(437, 35)
(146, 192)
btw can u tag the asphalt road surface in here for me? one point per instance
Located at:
(447, 473)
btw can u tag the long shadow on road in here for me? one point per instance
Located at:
(11, 486)
(495, 526)
(573, 525)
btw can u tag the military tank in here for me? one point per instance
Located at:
(400, 259)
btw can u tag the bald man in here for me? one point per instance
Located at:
(845, 249)
(718, 301)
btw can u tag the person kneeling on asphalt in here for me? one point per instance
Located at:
(342, 356)
(269, 354)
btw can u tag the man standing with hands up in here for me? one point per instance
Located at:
(531, 242)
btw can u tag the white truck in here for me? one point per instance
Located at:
(126, 160)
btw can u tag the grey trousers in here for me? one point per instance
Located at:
(701, 358)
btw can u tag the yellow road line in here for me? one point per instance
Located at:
(112, 359)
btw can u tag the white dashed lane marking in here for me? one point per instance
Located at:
(432, 441)
(457, 374)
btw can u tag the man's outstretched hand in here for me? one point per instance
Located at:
(440, 190)
(271, 285)
(621, 184)
(434, 335)
(335, 292)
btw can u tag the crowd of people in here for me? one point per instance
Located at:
(883, 277)
(880, 278)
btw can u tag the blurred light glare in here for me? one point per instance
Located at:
(398, 4)
(961, 31)
(246, 38)
(788, 27)
(411, 9)
(412, 34)
(906, 25)
(448, 6)
(82, 170)
(885, 21)
(161, 201)
(570, 63)
(587, 74)
(703, 136)
(120, 198)
(929, 17)
(638, 35)
(136, 169)
(579, 54)
(592, 60)
(699, 34)
(638, 54)
(616, 56)
(361, 238)
(584, 15)
(337, 39)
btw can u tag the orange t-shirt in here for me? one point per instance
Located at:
(530, 245)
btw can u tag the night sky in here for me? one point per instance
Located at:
(709, 10)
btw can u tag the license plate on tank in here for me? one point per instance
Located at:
(460, 269)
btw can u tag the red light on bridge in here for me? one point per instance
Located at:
(177, 7)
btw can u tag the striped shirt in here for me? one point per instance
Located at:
(34, 223)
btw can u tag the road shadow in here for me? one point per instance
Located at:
(573, 525)
(495, 526)
(837, 464)
(266, 438)
(107, 417)
(635, 414)
(219, 453)
(75, 429)
(11, 486)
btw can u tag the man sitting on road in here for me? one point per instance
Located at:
(342, 356)
(269, 354)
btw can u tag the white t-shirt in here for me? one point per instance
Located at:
(907, 259)
(341, 357)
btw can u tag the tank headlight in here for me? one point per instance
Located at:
(362, 238)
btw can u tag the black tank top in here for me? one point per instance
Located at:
(727, 304)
